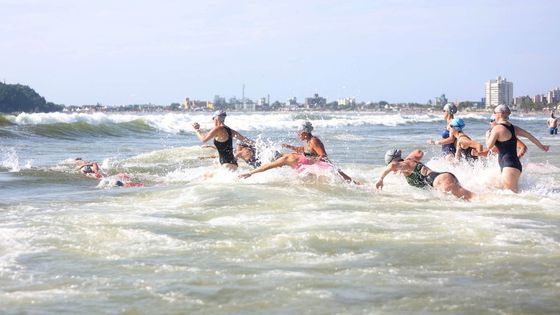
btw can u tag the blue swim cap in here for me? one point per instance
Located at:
(457, 124)
(445, 134)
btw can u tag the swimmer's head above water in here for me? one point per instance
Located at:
(450, 108)
(306, 127)
(391, 155)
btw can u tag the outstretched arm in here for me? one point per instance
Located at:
(204, 137)
(390, 168)
(448, 140)
(528, 135)
(292, 147)
(241, 138)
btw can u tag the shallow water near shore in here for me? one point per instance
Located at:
(197, 239)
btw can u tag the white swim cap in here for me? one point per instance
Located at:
(450, 108)
(393, 154)
(502, 109)
(306, 127)
(220, 114)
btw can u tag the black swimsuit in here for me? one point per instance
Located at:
(416, 178)
(466, 153)
(507, 156)
(225, 149)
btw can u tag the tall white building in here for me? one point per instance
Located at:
(553, 96)
(499, 91)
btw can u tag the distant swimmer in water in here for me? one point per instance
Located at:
(465, 147)
(504, 136)
(312, 153)
(552, 124)
(90, 169)
(447, 142)
(223, 139)
(419, 175)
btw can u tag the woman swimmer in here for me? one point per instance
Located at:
(419, 175)
(447, 141)
(223, 139)
(311, 153)
(465, 146)
(90, 169)
(504, 137)
(521, 147)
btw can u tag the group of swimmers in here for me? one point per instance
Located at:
(312, 153)
(501, 138)
(92, 170)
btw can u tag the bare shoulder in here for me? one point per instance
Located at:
(415, 155)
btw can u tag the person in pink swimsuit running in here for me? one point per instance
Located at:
(311, 154)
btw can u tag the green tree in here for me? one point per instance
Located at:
(22, 98)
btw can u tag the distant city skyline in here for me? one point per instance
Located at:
(136, 52)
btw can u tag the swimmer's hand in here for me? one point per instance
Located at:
(379, 184)
(483, 153)
(545, 148)
(196, 126)
(245, 175)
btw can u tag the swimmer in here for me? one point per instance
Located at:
(90, 169)
(521, 147)
(504, 136)
(311, 153)
(465, 146)
(552, 124)
(223, 139)
(419, 175)
(448, 141)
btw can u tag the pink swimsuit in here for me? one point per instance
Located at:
(306, 162)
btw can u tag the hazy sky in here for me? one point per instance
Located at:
(133, 51)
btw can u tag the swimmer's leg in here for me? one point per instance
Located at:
(448, 183)
(287, 159)
(510, 179)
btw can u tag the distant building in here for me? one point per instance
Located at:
(498, 91)
(220, 102)
(553, 96)
(315, 102)
(189, 104)
(522, 101)
(347, 101)
(539, 99)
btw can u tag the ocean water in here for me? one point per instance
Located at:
(196, 239)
